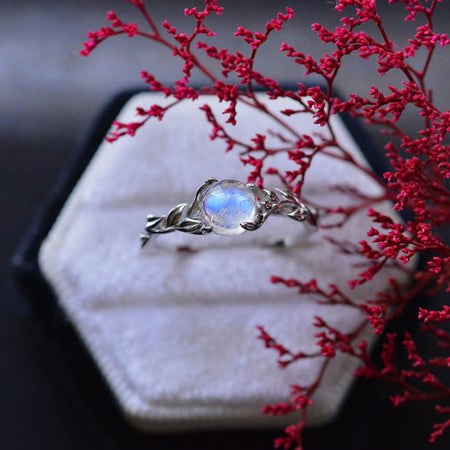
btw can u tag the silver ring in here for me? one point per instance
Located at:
(229, 207)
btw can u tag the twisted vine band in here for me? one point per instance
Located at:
(229, 207)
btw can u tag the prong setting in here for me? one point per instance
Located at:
(228, 207)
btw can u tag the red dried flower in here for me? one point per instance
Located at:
(416, 182)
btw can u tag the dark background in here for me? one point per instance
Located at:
(50, 397)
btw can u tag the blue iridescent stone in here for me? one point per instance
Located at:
(226, 204)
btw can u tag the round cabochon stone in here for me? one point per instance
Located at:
(226, 204)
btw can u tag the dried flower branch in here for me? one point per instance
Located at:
(416, 182)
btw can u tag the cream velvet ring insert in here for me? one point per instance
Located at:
(228, 208)
(174, 334)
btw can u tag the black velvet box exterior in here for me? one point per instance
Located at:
(366, 421)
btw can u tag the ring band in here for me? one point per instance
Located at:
(229, 207)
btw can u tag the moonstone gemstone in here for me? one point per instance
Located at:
(226, 204)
